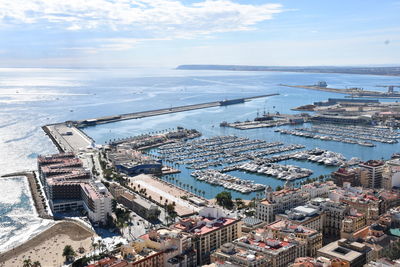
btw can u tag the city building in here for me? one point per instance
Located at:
(364, 201)
(341, 119)
(349, 175)
(372, 178)
(69, 187)
(134, 202)
(334, 213)
(318, 189)
(279, 201)
(138, 255)
(132, 162)
(209, 230)
(391, 174)
(354, 253)
(161, 247)
(307, 215)
(110, 262)
(280, 252)
(282, 229)
(250, 223)
(230, 254)
(352, 223)
(318, 262)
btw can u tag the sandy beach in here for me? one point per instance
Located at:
(47, 247)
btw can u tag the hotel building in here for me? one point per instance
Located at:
(70, 187)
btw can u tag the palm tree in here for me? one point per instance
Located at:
(100, 244)
(94, 245)
(27, 263)
(37, 264)
(68, 253)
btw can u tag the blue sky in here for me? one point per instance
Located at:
(121, 33)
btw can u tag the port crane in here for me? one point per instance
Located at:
(389, 87)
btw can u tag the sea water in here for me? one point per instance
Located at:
(18, 220)
(33, 97)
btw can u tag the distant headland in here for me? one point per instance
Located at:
(390, 71)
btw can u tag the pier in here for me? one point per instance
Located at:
(163, 111)
(68, 137)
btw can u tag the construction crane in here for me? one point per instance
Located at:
(389, 87)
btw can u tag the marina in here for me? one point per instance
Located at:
(215, 177)
(279, 171)
(207, 121)
(307, 134)
(220, 150)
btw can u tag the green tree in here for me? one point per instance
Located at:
(153, 216)
(224, 199)
(239, 203)
(114, 205)
(27, 263)
(36, 264)
(170, 209)
(68, 253)
(278, 188)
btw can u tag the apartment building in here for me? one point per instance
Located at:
(279, 201)
(391, 174)
(288, 198)
(372, 177)
(283, 229)
(230, 254)
(161, 247)
(306, 215)
(352, 223)
(334, 213)
(279, 252)
(209, 230)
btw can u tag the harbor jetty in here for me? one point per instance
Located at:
(163, 111)
(68, 136)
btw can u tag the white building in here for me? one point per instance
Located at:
(288, 198)
(97, 201)
(391, 174)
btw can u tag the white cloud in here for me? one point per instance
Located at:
(156, 18)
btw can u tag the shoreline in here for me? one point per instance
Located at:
(75, 232)
(36, 194)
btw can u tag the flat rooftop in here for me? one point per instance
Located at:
(334, 250)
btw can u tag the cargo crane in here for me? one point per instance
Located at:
(389, 87)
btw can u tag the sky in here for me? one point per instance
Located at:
(167, 33)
